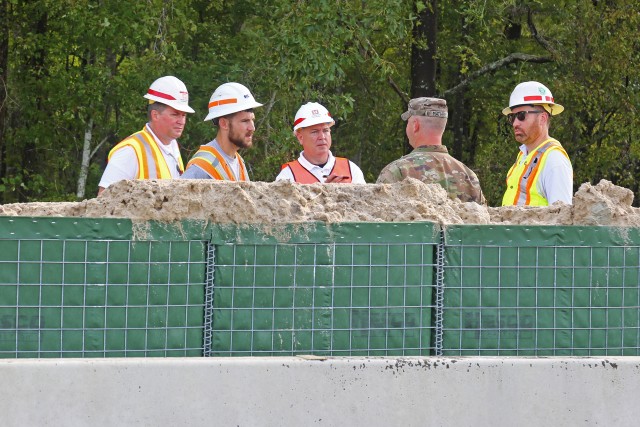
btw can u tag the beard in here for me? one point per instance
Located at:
(238, 139)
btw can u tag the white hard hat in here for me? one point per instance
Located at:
(533, 93)
(311, 114)
(170, 91)
(230, 98)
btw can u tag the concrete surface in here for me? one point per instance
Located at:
(298, 391)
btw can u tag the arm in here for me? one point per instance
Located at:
(123, 164)
(556, 179)
(357, 177)
(389, 174)
(285, 175)
(194, 172)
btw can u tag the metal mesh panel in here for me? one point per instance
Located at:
(526, 298)
(101, 298)
(323, 299)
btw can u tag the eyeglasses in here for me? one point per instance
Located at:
(521, 115)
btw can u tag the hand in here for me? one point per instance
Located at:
(335, 179)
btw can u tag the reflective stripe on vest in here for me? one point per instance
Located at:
(303, 176)
(151, 162)
(522, 178)
(213, 163)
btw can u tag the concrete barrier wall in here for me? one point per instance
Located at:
(298, 391)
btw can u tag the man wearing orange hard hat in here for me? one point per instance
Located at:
(231, 110)
(153, 153)
(316, 163)
(542, 173)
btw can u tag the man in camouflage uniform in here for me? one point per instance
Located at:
(430, 161)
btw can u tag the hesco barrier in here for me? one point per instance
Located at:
(336, 289)
(543, 290)
(75, 287)
(72, 287)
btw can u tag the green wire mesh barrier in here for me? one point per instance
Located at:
(563, 291)
(72, 287)
(62, 296)
(325, 292)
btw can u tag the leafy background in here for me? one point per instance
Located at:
(73, 72)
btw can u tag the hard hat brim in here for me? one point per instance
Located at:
(312, 122)
(231, 109)
(173, 104)
(555, 108)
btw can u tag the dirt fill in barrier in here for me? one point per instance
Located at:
(283, 202)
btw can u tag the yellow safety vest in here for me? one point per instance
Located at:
(213, 163)
(151, 162)
(523, 176)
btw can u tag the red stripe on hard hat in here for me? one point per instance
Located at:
(298, 121)
(538, 98)
(160, 94)
(223, 102)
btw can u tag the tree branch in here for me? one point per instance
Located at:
(100, 144)
(501, 63)
(268, 109)
(534, 32)
(401, 94)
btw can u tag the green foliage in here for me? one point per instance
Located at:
(83, 65)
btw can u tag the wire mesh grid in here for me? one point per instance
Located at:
(323, 299)
(556, 300)
(101, 298)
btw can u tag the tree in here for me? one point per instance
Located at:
(75, 72)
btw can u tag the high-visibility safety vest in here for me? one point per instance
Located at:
(151, 162)
(213, 163)
(303, 176)
(523, 176)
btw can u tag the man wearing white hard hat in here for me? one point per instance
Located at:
(231, 109)
(153, 153)
(312, 127)
(542, 173)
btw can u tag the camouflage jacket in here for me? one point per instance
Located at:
(432, 164)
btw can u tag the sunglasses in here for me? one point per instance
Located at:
(521, 115)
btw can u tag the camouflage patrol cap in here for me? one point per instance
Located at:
(429, 107)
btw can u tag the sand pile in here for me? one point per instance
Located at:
(284, 202)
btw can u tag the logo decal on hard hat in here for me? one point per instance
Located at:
(170, 91)
(230, 98)
(541, 90)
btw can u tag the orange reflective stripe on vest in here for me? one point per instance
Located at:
(523, 176)
(303, 176)
(212, 162)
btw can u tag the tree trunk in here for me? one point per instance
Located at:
(423, 54)
(423, 51)
(86, 158)
(4, 75)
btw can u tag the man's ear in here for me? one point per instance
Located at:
(299, 136)
(223, 123)
(414, 125)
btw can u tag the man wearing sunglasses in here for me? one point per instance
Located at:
(542, 173)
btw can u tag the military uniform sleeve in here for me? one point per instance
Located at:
(389, 174)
